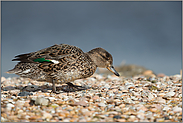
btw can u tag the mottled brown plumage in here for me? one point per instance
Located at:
(62, 64)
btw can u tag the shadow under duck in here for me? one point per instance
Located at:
(62, 63)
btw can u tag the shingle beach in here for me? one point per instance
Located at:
(107, 99)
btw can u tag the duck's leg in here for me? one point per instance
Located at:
(53, 86)
(54, 90)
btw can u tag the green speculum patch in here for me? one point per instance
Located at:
(41, 60)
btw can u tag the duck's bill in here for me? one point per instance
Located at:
(111, 68)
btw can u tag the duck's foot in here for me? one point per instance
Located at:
(56, 92)
(72, 88)
(54, 88)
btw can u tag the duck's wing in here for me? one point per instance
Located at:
(54, 54)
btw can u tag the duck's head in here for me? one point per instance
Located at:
(102, 59)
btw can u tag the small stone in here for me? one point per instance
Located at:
(86, 112)
(3, 119)
(81, 103)
(132, 117)
(96, 98)
(3, 79)
(27, 116)
(121, 120)
(177, 109)
(113, 113)
(66, 120)
(130, 87)
(54, 105)
(110, 101)
(20, 103)
(7, 88)
(51, 98)
(141, 108)
(141, 115)
(153, 110)
(117, 102)
(32, 118)
(122, 88)
(46, 115)
(160, 120)
(161, 94)
(101, 105)
(150, 96)
(128, 100)
(161, 100)
(166, 108)
(117, 117)
(14, 92)
(82, 120)
(161, 75)
(41, 101)
(107, 86)
(9, 106)
(152, 87)
(170, 94)
(125, 91)
(24, 93)
(147, 72)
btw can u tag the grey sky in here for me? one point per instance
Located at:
(142, 33)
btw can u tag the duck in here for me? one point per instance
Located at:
(62, 63)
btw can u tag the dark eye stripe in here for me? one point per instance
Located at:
(107, 54)
(104, 56)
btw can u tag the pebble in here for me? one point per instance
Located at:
(101, 105)
(141, 116)
(161, 75)
(46, 115)
(3, 79)
(121, 120)
(7, 88)
(150, 96)
(170, 94)
(148, 73)
(117, 117)
(86, 112)
(24, 93)
(54, 105)
(9, 106)
(160, 120)
(81, 103)
(128, 100)
(161, 100)
(166, 108)
(41, 101)
(20, 103)
(51, 98)
(113, 113)
(177, 109)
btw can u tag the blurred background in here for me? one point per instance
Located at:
(141, 33)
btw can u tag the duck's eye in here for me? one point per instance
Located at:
(107, 55)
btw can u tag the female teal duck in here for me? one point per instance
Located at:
(62, 64)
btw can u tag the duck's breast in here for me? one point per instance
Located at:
(82, 67)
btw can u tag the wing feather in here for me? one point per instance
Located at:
(55, 52)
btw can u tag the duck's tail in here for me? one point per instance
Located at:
(14, 71)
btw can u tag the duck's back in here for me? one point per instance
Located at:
(63, 63)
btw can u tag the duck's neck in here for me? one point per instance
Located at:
(95, 57)
(92, 56)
